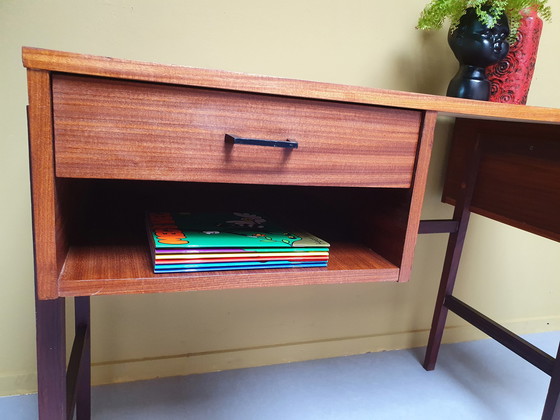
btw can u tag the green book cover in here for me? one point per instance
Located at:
(224, 230)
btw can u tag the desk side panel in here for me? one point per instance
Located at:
(519, 178)
(389, 220)
(418, 189)
(47, 239)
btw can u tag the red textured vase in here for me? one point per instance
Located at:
(510, 79)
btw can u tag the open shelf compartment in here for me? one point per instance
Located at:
(108, 249)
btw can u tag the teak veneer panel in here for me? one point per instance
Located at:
(91, 270)
(65, 62)
(49, 244)
(519, 171)
(115, 129)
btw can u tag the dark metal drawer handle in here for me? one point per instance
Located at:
(290, 144)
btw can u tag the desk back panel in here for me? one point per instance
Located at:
(518, 181)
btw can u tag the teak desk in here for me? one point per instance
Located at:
(111, 138)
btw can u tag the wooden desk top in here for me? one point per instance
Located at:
(42, 59)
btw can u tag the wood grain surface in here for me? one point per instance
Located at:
(519, 178)
(95, 270)
(131, 130)
(67, 62)
(49, 240)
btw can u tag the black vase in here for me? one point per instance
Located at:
(476, 46)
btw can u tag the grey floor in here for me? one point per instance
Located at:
(476, 381)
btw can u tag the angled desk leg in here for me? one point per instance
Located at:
(60, 390)
(552, 405)
(51, 359)
(80, 372)
(457, 235)
(485, 139)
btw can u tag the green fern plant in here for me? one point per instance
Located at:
(438, 11)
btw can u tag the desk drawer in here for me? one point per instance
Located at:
(133, 130)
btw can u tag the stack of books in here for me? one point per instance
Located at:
(192, 242)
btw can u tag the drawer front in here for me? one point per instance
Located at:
(131, 130)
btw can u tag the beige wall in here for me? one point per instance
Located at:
(346, 41)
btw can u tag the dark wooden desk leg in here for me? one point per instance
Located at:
(83, 385)
(449, 274)
(461, 215)
(552, 405)
(51, 358)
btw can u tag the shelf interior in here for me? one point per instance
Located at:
(108, 248)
